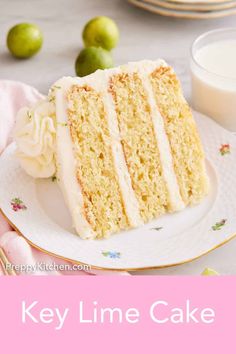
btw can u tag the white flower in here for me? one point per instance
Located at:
(35, 136)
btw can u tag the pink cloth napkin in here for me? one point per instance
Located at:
(14, 95)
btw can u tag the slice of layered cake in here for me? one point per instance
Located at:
(122, 143)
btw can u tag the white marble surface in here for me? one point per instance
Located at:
(143, 35)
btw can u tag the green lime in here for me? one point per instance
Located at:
(209, 271)
(24, 40)
(101, 32)
(91, 59)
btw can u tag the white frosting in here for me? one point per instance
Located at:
(35, 136)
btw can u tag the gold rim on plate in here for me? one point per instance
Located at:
(4, 261)
(111, 269)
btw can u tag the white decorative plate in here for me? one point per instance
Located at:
(163, 9)
(192, 6)
(37, 211)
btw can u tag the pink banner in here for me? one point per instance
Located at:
(117, 315)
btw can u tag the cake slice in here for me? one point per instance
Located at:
(123, 144)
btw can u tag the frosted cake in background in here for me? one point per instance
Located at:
(122, 143)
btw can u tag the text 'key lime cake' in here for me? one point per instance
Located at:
(122, 144)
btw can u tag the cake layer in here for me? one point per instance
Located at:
(66, 163)
(175, 201)
(139, 144)
(186, 148)
(95, 171)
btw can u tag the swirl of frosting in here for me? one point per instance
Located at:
(35, 137)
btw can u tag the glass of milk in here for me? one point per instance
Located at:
(213, 73)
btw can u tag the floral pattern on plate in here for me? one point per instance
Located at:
(111, 254)
(224, 149)
(17, 204)
(218, 225)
